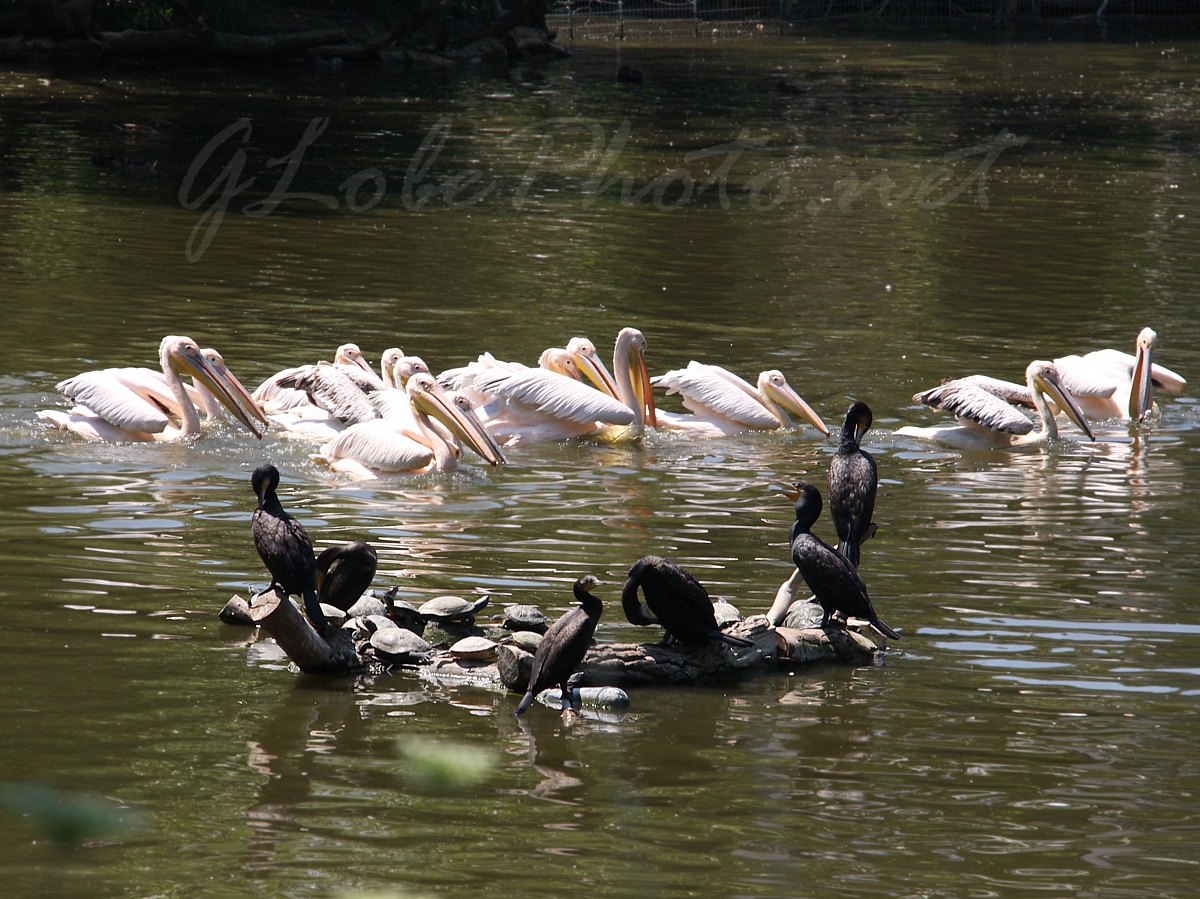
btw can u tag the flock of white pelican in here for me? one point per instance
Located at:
(404, 420)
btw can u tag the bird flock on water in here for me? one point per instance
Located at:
(404, 420)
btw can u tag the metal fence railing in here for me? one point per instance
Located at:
(619, 19)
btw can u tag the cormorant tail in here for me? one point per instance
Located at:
(885, 630)
(850, 550)
(312, 608)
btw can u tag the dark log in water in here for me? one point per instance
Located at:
(605, 665)
(313, 654)
(638, 664)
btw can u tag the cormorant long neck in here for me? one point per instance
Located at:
(808, 510)
(592, 605)
(632, 605)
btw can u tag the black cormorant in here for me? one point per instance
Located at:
(829, 575)
(284, 546)
(345, 572)
(564, 645)
(676, 600)
(853, 480)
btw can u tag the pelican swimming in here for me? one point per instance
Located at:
(564, 645)
(1111, 384)
(987, 421)
(283, 545)
(535, 405)
(278, 393)
(830, 576)
(416, 447)
(676, 600)
(345, 572)
(723, 403)
(131, 404)
(853, 481)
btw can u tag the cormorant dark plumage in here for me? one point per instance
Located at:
(564, 646)
(344, 573)
(853, 480)
(284, 546)
(677, 601)
(829, 575)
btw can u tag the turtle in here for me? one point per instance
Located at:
(524, 618)
(403, 613)
(397, 646)
(452, 608)
(474, 649)
(366, 605)
(335, 616)
(725, 612)
(527, 640)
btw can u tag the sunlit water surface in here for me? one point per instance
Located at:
(1033, 733)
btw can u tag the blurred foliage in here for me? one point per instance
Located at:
(68, 819)
(445, 765)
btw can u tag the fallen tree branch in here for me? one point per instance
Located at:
(312, 653)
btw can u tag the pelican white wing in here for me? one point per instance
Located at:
(712, 392)
(380, 445)
(973, 405)
(111, 399)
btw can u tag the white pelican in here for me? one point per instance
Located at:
(537, 405)
(349, 360)
(274, 396)
(987, 421)
(122, 404)
(1112, 384)
(392, 403)
(418, 447)
(579, 360)
(723, 403)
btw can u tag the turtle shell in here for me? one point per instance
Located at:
(725, 612)
(366, 605)
(398, 645)
(527, 640)
(524, 618)
(406, 615)
(451, 608)
(474, 649)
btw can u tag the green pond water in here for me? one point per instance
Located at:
(902, 212)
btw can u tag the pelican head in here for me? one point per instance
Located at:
(429, 398)
(559, 361)
(629, 360)
(1140, 401)
(405, 367)
(591, 366)
(217, 361)
(774, 386)
(350, 354)
(1043, 379)
(387, 364)
(184, 356)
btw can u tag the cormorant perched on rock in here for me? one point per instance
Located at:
(345, 572)
(564, 645)
(676, 600)
(853, 480)
(829, 575)
(284, 546)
